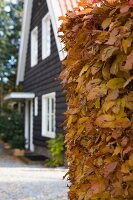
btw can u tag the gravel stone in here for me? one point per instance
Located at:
(19, 181)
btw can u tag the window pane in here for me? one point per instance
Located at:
(48, 123)
(34, 46)
(48, 104)
(46, 36)
(53, 102)
(52, 118)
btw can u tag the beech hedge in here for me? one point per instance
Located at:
(97, 77)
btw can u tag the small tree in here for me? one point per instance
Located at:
(98, 78)
(10, 27)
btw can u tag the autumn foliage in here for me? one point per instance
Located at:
(98, 79)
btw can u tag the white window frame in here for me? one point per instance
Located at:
(45, 114)
(34, 46)
(46, 36)
(36, 106)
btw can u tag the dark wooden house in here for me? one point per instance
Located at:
(39, 65)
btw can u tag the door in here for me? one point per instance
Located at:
(29, 125)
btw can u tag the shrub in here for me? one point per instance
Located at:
(11, 129)
(56, 148)
(6, 133)
(98, 78)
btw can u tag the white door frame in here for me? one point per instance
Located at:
(29, 125)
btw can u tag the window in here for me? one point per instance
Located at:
(48, 115)
(34, 47)
(46, 36)
(36, 106)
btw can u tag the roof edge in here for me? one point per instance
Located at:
(24, 40)
(19, 95)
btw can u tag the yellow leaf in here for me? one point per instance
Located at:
(116, 83)
(108, 52)
(126, 43)
(84, 69)
(116, 64)
(82, 120)
(106, 72)
(107, 105)
(98, 91)
(98, 103)
(117, 150)
(130, 161)
(106, 22)
(125, 168)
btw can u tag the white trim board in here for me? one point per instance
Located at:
(24, 40)
(55, 11)
(19, 95)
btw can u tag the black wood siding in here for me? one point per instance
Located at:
(40, 79)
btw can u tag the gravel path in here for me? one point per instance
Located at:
(19, 181)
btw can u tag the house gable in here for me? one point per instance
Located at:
(56, 9)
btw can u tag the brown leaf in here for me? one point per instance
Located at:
(109, 168)
(113, 38)
(93, 83)
(128, 81)
(122, 123)
(98, 91)
(97, 186)
(116, 64)
(128, 178)
(124, 8)
(116, 134)
(108, 52)
(127, 150)
(112, 95)
(104, 119)
(129, 63)
(124, 141)
(72, 111)
(129, 101)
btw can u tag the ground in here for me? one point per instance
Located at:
(19, 181)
